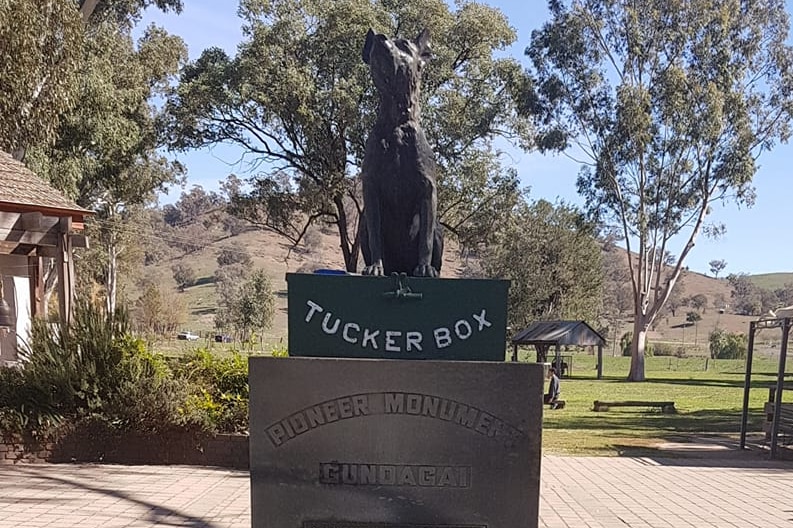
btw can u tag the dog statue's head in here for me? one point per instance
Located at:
(396, 63)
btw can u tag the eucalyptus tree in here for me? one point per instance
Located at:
(717, 266)
(42, 45)
(298, 99)
(668, 104)
(105, 152)
(554, 261)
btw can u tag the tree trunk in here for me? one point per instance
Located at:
(111, 280)
(349, 249)
(640, 326)
(50, 282)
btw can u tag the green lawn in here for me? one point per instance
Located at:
(708, 402)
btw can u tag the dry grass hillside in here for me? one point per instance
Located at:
(269, 252)
(272, 253)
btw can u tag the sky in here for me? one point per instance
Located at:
(758, 239)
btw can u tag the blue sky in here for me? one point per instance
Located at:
(758, 239)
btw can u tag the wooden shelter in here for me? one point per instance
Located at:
(37, 222)
(545, 334)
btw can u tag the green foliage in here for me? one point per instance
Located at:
(95, 371)
(280, 351)
(298, 96)
(78, 364)
(67, 370)
(717, 266)
(246, 303)
(127, 12)
(693, 317)
(625, 345)
(634, 85)
(106, 153)
(550, 255)
(750, 299)
(43, 44)
(237, 254)
(154, 314)
(40, 43)
(147, 398)
(725, 345)
(667, 349)
(26, 405)
(699, 302)
(184, 275)
(221, 402)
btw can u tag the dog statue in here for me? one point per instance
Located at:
(400, 232)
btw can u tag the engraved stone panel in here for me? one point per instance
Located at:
(358, 443)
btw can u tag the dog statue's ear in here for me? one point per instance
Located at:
(423, 43)
(367, 47)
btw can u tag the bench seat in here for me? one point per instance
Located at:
(665, 406)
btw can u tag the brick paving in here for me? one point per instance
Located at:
(725, 491)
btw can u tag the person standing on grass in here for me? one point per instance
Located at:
(553, 387)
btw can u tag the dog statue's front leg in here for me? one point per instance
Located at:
(427, 212)
(374, 233)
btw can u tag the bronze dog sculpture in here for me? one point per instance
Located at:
(400, 232)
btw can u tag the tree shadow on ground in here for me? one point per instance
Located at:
(636, 422)
(710, 451)
(155, 513)
(763, 383)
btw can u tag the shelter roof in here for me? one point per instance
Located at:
(558, 333)
(22, 189)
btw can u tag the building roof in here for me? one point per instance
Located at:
(19, 186)
(558, 333)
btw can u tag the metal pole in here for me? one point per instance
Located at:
(780, 384)
(747, 383)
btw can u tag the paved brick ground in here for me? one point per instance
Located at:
(725, 491)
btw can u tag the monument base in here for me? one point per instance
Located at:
(358, 443)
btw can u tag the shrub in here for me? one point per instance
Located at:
(148, 399)
(724, 345)
(625, 345)
(668, 349)
(221, 403)
(92, 369)
(280, 351)
(26, 408)
(66, 369)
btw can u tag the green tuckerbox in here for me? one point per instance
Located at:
(396, 317)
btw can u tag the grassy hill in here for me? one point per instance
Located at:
(273, 254)
(269, 252)
(772, 281)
